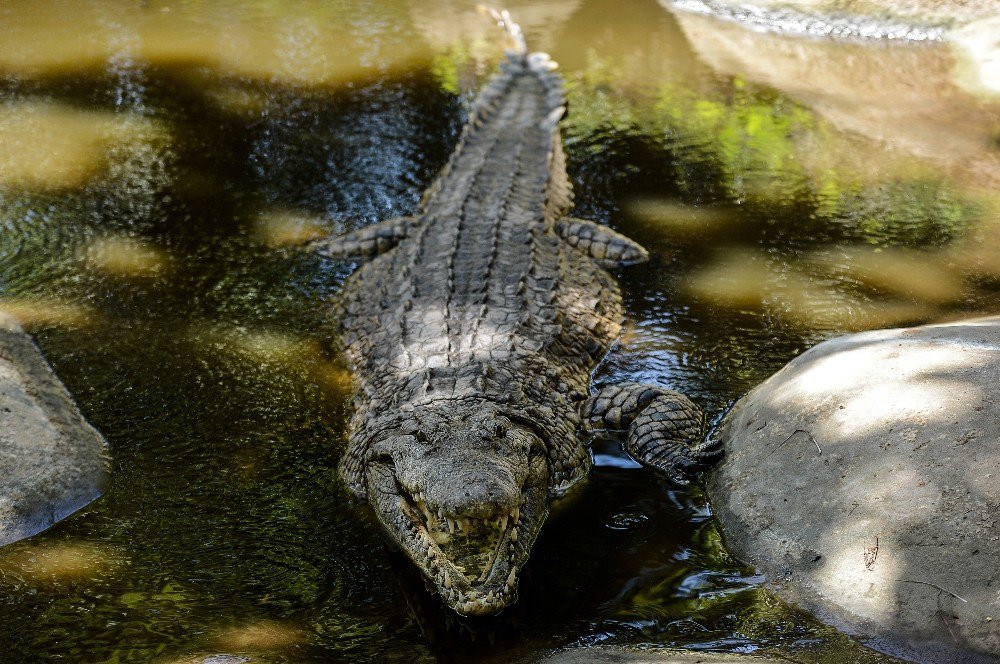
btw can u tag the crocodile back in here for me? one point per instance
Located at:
(484, 303)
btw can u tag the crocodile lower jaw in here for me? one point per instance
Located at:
(418, 532)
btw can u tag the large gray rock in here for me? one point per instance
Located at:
(52, 462)
(863, 479)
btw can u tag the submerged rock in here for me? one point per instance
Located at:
(864, 480)
(612, 655)
(53, 462)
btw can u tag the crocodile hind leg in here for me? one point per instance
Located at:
(661, 428)
(605, 246)
(366, 242)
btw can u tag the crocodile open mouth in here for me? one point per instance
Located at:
(473, 563)
(472, 545)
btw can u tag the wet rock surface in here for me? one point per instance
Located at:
(53, 462)
(862, 479)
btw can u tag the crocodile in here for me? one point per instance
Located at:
(471, 330)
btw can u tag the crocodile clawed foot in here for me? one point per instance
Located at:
(661, 426)
(681, 463)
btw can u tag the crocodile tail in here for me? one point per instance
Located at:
(518, 63)
(513, 30)
(559, 192)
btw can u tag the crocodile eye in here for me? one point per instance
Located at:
(419, 435)
(499, 430)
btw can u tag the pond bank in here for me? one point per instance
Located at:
(969, 27)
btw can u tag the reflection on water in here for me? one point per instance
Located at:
(157, 161)
(912, 105)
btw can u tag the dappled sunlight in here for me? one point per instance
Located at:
(273, 355)
(54, 146)
(277, 229)
(851, 315)
(751, 280)
(239, 100)
(916, 394)
(123, 256)
(981, 259)
(923, 276)
(307, 43)
(871, 590)
(257, 345)
(822, 306)
(39, 312)
(334, 378)
(736, 279)
(906, 403)
(45, 561)
(683, 223)
(263, 635)
(855, 364)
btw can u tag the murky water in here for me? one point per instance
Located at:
(156, 157)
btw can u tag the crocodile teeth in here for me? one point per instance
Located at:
(503, 522)
(451, 525)
(517, 515)
(512, 578)
(447, 580)
(513, 535)
(489, 597)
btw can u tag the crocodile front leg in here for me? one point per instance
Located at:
(366, 242)
(661, 428)
(605, 246)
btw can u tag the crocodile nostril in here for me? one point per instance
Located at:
(484, 499)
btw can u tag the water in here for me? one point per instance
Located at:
(155, 158)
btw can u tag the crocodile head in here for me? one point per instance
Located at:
(463, 496)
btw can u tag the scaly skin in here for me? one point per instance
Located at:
(471, 334)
